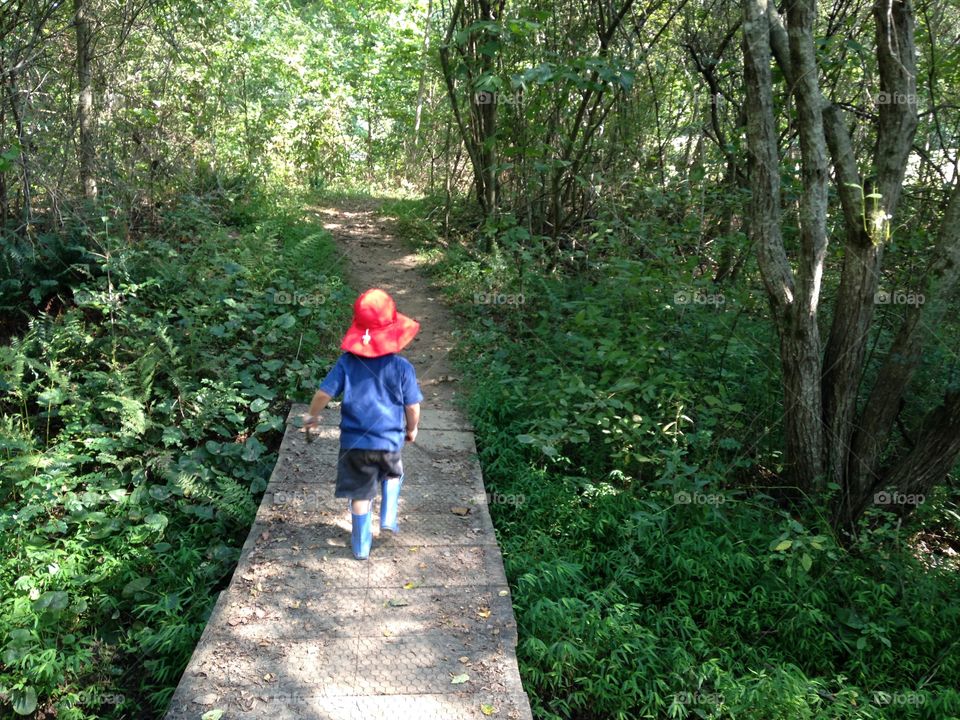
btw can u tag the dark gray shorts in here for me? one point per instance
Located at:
(359, 472)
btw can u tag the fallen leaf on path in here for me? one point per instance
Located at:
(397, 603)
(464, 659)
(483, 612)
(439, 379)
(208, 699)
(459, 679)
(214, 714)
(411, 585)
(487, 709)
(460, 510)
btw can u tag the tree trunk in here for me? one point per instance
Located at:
(843, 362)
(26, 201)
(485, 114)
(88, 178)
(369, 142)
(851, 447)
(421, 89)
(935, 455)
(806, 432)
(466, 136)
(853, 316)
(488, 153)
(794, 303)
(4, 207)
(883, 404)
(896, 56)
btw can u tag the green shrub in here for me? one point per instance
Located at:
(138, 429)
(652, 575)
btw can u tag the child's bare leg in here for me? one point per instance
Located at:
(360, 507)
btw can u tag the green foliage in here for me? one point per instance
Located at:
(633, 419)
(157, 335)
(32, 270)
(137, 430)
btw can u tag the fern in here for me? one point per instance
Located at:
(225, 496)
(16, 256)
(310, 252)
(131, 434)
(235, 500)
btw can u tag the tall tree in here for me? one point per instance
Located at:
(85, 118)
(473, 33)
(827, 439)
(422, 84)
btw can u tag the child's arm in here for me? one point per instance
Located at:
(319, 402)
(413, 420)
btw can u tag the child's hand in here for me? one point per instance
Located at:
(412, 435)
(311, 418)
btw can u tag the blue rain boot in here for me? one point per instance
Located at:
(389, 502)
(361, 535)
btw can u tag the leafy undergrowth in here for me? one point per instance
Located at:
(628, 421)
(138, 428)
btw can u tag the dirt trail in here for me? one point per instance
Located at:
(375, 258)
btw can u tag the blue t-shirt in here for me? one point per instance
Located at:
(375, 391)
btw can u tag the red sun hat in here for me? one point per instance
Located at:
(378, 329)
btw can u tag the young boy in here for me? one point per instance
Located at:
(380, 409)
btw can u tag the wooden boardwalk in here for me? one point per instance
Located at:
(422, 629)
